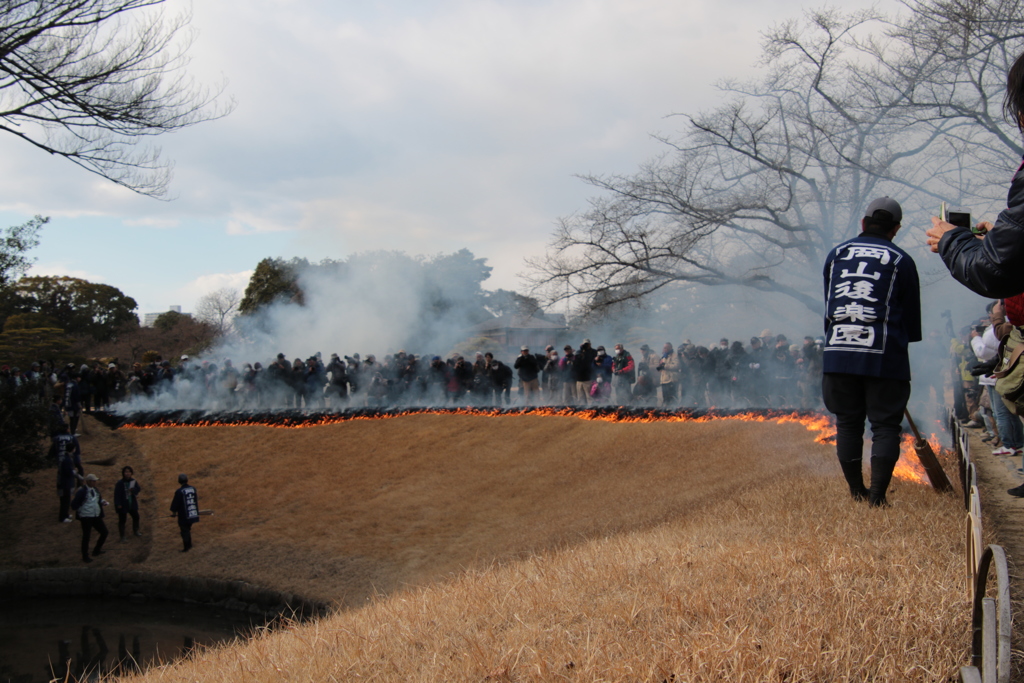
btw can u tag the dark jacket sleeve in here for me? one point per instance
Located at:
(993, 266)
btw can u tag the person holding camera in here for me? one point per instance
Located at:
(668, 367)
(872, 313)
(583, 371)
(528, 369)
(623, 375)
(989, 259)
(500, 379)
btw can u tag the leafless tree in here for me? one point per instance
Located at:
(90, 80)
(970, 45)
(756, 191)
(218, 309)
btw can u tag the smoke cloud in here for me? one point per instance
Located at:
(382, 303)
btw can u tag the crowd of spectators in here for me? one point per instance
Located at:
(975, 353)
(768, 371)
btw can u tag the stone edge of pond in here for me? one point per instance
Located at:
(22, 584)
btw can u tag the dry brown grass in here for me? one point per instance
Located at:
(344, 511)
(788, 582)
(553, 548)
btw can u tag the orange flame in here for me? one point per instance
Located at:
(909, 467)
(818, 423)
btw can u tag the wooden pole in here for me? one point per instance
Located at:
(936, 475)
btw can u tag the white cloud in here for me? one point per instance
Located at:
(423, 127)
(204, 284)
(278, 218)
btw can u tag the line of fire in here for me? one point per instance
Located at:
(913, 464)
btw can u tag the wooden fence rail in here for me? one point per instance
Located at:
(991, 625)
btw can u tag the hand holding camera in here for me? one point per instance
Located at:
(948, 220)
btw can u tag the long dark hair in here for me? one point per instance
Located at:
(1013, 103)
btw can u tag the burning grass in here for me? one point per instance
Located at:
(301, 418)
(551, 548)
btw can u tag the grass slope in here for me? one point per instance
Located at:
(533, 548)
(343, 511)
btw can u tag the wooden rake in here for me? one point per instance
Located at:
(936, 475)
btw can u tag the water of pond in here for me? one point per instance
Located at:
(49, 638)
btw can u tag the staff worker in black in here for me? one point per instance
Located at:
(872, 314)
(186, 506)
(126, 501)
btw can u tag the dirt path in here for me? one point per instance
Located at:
(33, 539)
(1003, 519)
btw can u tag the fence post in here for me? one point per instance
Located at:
(991, 627)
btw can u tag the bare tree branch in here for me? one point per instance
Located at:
(89, 80)
(848, 107)
(219, 309)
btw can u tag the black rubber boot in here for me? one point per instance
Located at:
(854, 478)
(881, 475)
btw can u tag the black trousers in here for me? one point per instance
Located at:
(122, 519)
(65, 504)
(186, 533)
(88, 524)
(668, 393)
(855, 397)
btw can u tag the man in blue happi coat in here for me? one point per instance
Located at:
(872, 313)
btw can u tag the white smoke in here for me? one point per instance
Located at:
(385, 302)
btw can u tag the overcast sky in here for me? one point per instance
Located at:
(425, 127)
